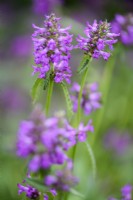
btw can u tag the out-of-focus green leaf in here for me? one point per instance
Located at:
(36, 89)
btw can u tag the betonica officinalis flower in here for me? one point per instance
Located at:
(52, 46)
(98, 38)
(49, 140)
(123, 24)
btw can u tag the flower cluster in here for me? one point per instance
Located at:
(124, 25)
(47, 140)
(52, 46)
(98, 38)
(126, 192)
(91, 97)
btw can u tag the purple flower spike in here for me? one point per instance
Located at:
(91, 98)
(98, 38)
(52, 46)
(124, 25)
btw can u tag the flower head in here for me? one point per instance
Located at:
(124, 25)
(98, 38)
(52, 46)
(48, 139)
(91, 98)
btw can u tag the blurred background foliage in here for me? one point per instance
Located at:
(112, 141)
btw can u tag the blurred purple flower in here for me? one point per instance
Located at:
(21, 46)
(43, 7)
(13, 99)
(126, 192)
(62, 180)
(91, 98)
(117, 142)
(98, 38)
(52, 46)
(124, 25)
(47, 140)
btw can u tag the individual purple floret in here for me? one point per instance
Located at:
(98, 38)
(91, 98)
(31, 193)
(124, 25)
(52, 46)
(127, 192)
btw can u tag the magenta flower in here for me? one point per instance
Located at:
(91, 98)
(127, 192)
(52, 46)
(48, 139)
(98, 38)
(124, 25)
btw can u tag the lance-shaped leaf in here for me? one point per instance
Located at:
(35, 92)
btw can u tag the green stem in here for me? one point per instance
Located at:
(49, 95)
(80, 95)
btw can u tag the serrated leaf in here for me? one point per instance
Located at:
(68, 100)
(76, 193)
(36, 88)
(39, 185)
(84, 63)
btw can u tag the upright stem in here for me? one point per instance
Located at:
(78, 116)
(80, 95)
(49, 95)
(107, 77)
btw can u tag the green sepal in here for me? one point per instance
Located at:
(84, 63)
(46, 80)
(39, 185)
(36, 89)
(68, 100)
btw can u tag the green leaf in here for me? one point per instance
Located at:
(68, 100)
(36, 89)
(39, 185)
(84, 63)
(76, 193)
